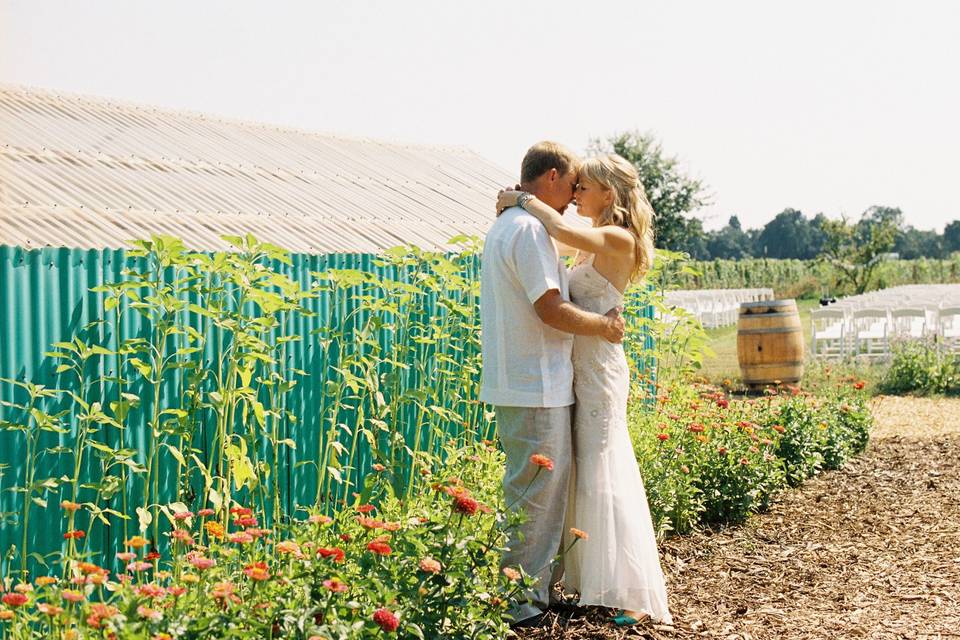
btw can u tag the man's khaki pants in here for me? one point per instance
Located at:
(523, 432)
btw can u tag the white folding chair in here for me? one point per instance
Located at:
(871, 337)
(948, 329)
(828, 333)
(909, 324)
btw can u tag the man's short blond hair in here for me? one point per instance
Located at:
(547, 155)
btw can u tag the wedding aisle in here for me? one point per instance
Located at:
(870, 551)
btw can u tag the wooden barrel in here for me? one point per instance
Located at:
(770, 342)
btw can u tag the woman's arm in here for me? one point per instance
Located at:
(606, 240)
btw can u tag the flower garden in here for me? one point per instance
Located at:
(227, 451)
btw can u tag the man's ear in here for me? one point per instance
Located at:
(553, 175)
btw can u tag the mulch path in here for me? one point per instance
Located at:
(870, 551)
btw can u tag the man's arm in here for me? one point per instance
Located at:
(565, 316)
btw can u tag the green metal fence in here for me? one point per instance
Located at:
(46, 297)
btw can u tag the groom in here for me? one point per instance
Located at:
(527, 338)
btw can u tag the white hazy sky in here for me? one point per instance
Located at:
(826, 106)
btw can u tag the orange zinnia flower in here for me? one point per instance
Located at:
(542, 461)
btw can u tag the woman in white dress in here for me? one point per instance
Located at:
(617, 565)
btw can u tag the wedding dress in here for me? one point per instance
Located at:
(618, 565)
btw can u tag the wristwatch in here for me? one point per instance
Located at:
(523, 198)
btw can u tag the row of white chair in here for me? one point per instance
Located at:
(716, 307)
(868, 332)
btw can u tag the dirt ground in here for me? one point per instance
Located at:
(870, 551)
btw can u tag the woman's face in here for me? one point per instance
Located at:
(592, 198)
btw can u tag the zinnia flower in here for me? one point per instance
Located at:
(319, 519)
(200, 562)
(14, 599)
(542, 461)
(335, 585)
(214, 529)
(43, 581)
(126, 556)
(380, 548)
(71, 596)
(257, 571)
(663, 437)
(429, 565)
(49, 609)
(387, 621)
(203, 513)
(136, 542)
(289, 546)
(578, 533)
(149, 614)
(365, 508)
(465, 504)
(69, 507)
(333, 552)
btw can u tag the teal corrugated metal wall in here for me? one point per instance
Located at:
(46, 298)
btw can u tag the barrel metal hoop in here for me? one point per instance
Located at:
(776, 314)
(768, 303)
(775, 365)
(750, 332)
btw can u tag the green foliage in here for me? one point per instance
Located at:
(809, 278)
(708, 457)
(919, 367)
(431, 562)
(855, 251)
(672, 193)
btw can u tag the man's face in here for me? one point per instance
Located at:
(559, 189)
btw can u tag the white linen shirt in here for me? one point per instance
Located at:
(526, 363)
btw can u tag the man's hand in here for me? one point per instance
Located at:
(615, 325)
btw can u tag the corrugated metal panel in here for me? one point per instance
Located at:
(46, 298)
(92, 173)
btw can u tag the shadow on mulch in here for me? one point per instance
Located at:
(870, 551)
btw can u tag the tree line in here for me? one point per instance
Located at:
(791, 234)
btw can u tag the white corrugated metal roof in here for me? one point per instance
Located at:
(92, 173)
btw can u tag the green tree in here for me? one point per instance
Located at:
(951, 237)
(788, 235)
(730, 242)
(672, 193)
(856, 250)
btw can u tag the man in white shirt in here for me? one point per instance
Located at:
(528, 325)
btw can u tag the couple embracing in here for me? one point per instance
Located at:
(555, 371)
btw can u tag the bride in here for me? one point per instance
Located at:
(617, 566)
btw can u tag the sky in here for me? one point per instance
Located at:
(823, 106)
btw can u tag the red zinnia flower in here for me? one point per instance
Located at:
(663, 437)
(696, 427)
(466, 505)
(203, 513)
(335, 552)
(379, 548)
(859, 385)
(387, 621)
(365, 508)
(14, 599)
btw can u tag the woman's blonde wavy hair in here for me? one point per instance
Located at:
(630, 209)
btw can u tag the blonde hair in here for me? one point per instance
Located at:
(630, 208)
(544, 156)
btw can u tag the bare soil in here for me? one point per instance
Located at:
(870, 551)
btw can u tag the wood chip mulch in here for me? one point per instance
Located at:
(870, 551)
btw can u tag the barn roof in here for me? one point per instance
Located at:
(93, 173)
